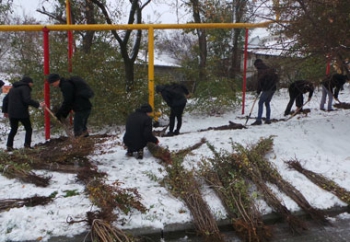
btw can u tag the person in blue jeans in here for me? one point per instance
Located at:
(267, 79)
(331, 86)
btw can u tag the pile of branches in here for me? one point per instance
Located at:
(342, 105)
(234, 192)
(18, 166)
(66, 150)
(256, 155)
(230, 126)
(108, 197)
(321, 181)
(104, 232)
(28, 202)
(159, 152)
(242, 163)
(183, 184)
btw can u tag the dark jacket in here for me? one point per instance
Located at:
(336, 82)
(174, 94)
(17, 101)
(138, 131)
(301, 87)
(267, 78)
(71, 101)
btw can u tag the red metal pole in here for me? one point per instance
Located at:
(245, 69)
(46, 84)
(328, 67)
(70, 46)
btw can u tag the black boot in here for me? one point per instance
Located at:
(140, 154)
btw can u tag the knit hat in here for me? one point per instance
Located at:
(27, 80)
(146, 108)
(2, 83)
(257, 61)
(53, 78)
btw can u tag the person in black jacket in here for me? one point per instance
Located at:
(296, 91)
(80, 104)
(175, 95)
(331, 86)
(15, 107)
(138, 131)
(267, 79)
(1, 84)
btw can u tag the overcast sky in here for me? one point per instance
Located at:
(154, 12)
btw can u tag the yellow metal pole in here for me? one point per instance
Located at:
(151, 67)
(81, 27)
(68, 12)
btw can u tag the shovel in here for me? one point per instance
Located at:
(297, 111)
(251, 110)
(65, 127)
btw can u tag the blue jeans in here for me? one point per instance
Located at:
(326, 92)
(265, 98)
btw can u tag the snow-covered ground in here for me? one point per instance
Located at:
(319, 140)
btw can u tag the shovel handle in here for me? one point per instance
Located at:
(51, 113)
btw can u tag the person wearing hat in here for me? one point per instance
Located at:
(72, 101)
(15, 107)
(138, 131)
(267, 80)
(175, 95)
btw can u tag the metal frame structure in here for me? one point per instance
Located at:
(106, 27)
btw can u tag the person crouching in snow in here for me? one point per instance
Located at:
(138, 131)
(296, 91)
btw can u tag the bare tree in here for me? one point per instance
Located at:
(82, 12)
(129, 57)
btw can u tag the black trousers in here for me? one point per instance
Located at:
(80, 122)
(299, 101)
(176, 112)
(14, 122)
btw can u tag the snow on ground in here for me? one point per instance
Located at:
(319, 140)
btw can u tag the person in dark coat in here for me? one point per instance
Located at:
(138, 131)
(1, 84)
(267, 79)
(175, 95)
(15, 107)
(331, 86)
(72, 101)
(296, 91)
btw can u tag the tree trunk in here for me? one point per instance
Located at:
(202, 42)
(129, 75)
(236, 55)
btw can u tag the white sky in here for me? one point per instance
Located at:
(154, 12)
(320, 141)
